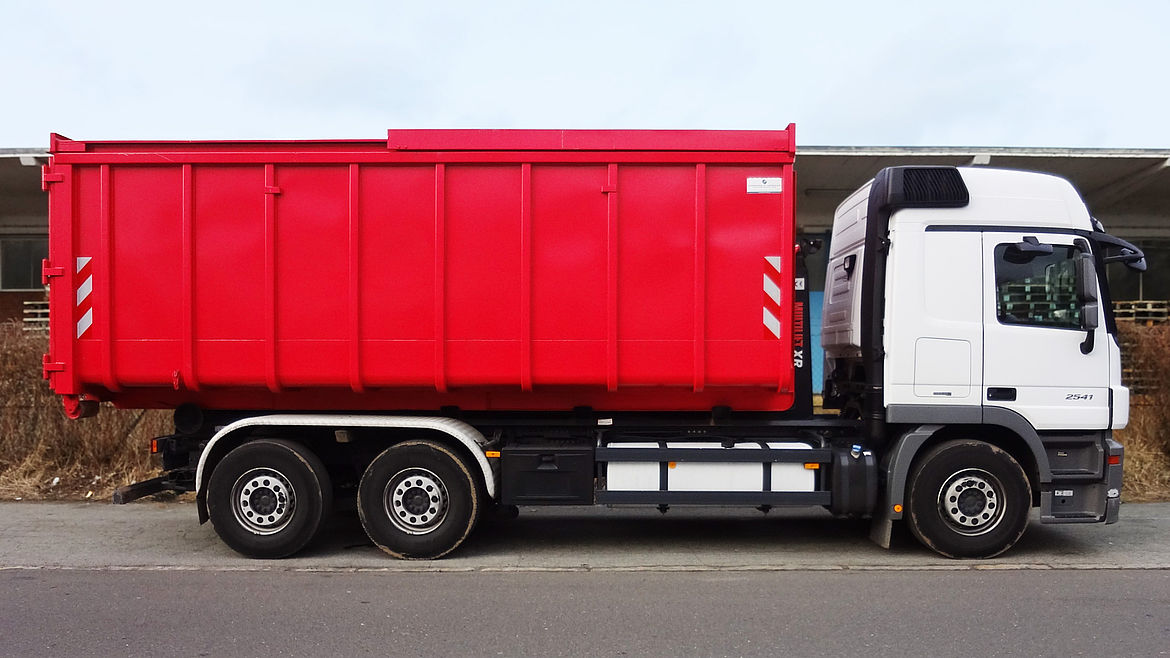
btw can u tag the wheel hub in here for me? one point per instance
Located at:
(971, 501)
(263, 501)
(416, 501)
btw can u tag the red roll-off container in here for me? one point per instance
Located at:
(501, 270)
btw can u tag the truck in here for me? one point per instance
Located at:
(443, 323)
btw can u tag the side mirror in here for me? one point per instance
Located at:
(1089, 320)
(1086, 271)
(1131, 256)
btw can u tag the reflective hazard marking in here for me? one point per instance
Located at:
(772, 290)
(773, 296)
(771, 323)
(84, 305)
(84, 289)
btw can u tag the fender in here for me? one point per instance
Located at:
(896, 464)
(467, 435)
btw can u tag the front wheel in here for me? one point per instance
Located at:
(968, 499)
(418, 500)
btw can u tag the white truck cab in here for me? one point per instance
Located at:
(970, 304)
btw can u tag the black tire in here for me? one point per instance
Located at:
(418, 500)
(269, 475)
(968, 499)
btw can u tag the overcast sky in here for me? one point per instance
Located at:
(1075, 74)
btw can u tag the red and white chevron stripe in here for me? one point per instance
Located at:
(83, 310)
(772, 297)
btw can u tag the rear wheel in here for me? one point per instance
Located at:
(269, 498)
(968, 499)
(418, 500)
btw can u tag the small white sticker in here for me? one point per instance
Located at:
(765, 185)
(605, 421)
(800, 284)
(1063, 493)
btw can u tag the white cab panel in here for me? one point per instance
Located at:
(942, 368)
(1120, 392)
(934, 322)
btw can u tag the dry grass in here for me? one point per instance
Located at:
(1146, 441)
(43, 454)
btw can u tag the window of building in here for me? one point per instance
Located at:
(1037, 289)
(20, 262)
(1153, 284)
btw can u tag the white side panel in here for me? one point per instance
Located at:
(709, 476)
(792, 477)
(714, 476)
(841, 312)
(632, 476)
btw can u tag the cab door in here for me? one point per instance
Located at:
(1045, 350)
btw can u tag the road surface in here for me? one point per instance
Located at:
(168, 536)
(147, 580)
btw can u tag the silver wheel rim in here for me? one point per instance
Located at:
(416, 501)
(972, 502)
(263, 501)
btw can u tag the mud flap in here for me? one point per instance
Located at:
(881, 529)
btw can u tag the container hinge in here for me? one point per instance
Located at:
(48, 176)
(609, 188)
(271, 189)
(48, 271)
(49, 366)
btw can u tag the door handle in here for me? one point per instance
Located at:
(997, 394)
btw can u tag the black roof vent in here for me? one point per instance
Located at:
(925, 187)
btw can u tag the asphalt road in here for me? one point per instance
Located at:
(168, 536)
(801, 613)
(147, 580)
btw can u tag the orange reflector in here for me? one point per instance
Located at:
(897, 509)
(671, 464)
(492, 454)
(812, 466)
(154, 447)
(1114, 460)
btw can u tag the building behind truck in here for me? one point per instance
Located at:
(583, 317)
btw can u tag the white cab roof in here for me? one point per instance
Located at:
(1002, 197)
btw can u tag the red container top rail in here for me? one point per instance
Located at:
(717, 145)
(485, 269)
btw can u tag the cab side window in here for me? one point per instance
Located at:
(1037, 289)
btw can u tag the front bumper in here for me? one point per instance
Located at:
(1077, 501)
